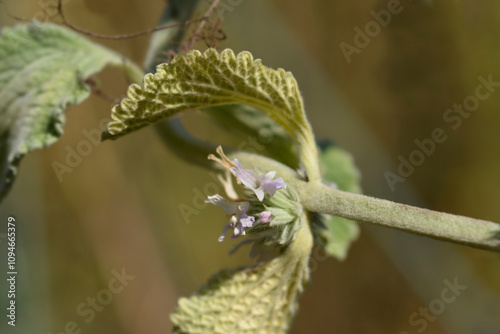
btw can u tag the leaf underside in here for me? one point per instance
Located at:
(262, 299)
(247, 122)
(197, 80)
(42, 72)
(246, 301)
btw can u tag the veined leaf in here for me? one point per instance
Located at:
(197, 80)
(258, 300)
(42, 72)
(338, 167)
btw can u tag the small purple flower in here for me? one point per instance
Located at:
(258, 184)
(239, 219)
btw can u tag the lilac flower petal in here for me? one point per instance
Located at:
(239, 219)
(231, 208)
(259, 193)
(247, 221)
(238, 230)
(267, 177)
(243, 207)
(273, 186)
(224, 231)
(258, 184)
(246, 176)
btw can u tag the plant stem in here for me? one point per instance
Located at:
(133, 72)
(477, 233)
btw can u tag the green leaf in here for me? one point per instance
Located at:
(249, 123)
(256, 300)
(342, 233)
(196, 80)
(42, 72)
(338, 167)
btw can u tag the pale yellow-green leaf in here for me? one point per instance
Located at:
(257, 300)
(197, 80)
(43, 68)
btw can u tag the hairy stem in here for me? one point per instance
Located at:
(477, 233)
(133, 72)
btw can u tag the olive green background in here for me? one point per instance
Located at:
(119, 208)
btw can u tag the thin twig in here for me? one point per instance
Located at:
(12, 16)
(204, 19)
(127, 36)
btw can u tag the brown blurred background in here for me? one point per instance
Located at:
(120, 207)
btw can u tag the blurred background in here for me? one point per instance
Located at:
(118, 210)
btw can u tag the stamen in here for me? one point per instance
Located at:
(224, 160)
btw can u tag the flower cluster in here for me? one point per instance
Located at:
(237, 209)
(239, 219)
(258, 184)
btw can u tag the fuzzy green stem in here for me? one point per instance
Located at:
(477, 233)
(134, 72)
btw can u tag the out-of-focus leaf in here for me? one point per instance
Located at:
(197, 80)
(42, 71)
(338, 167)
(255, 300)
(259, 133)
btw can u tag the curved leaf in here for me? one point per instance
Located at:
(256, 300)
(197, 80)
(42, 72)
(250, 123)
